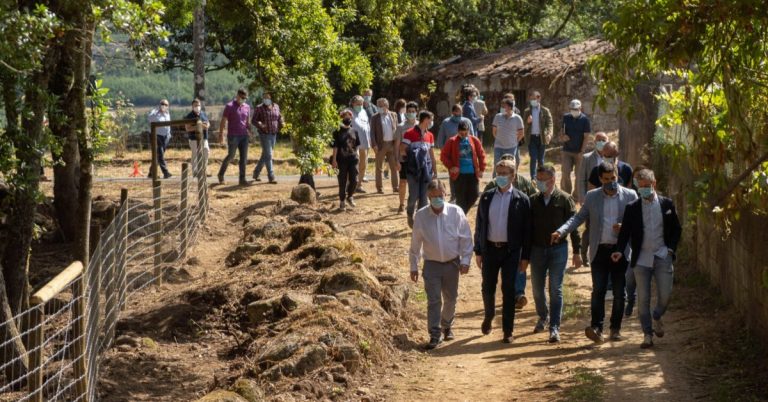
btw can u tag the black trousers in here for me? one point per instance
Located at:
(347, 177)
(603, 270)
(506, 261)
(467, 187)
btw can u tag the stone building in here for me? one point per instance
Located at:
(555, 67)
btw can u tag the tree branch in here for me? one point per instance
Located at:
(565, 21)
(731, 187)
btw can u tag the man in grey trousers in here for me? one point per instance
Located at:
(442, 236)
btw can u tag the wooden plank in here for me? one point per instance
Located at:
(184, 211)
(123, 239)
(57, 284)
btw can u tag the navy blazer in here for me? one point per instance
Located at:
(625, 175)
(519, 228)
(632, 229)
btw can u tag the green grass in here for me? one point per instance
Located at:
(588, 386)
(573, 306)
(420, 296)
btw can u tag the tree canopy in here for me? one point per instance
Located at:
(716, 51)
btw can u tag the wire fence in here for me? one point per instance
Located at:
(52, 351)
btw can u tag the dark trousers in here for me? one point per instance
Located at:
(466, 191)
(347, 177)
(506, 261)
(162, 144)
(603, 269)
(236, 144)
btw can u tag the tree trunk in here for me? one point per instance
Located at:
(82, 72)
(67, 174)
(198, 38)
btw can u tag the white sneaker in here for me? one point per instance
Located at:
(647, 341)
(609, 295)
(342, 206)
(658, 328)
(351, 202)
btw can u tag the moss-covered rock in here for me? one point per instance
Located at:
(221, 395)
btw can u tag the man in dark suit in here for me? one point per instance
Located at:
(502, 243)
(653, 230)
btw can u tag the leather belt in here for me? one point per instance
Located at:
(498, 244)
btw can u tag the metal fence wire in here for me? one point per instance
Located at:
(52, 351)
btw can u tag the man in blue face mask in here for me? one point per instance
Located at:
(604, 207)
(502, 245)
(653, 229)
(442, 236)
(550, 208)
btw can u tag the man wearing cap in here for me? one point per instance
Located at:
(576, 127)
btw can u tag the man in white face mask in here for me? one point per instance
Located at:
(161, 114)
(576, 127)
(201, 148)
(441, 234)
(611, 155)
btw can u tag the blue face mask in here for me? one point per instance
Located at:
(410, 116)
(437, 202)
(541, 185)
(645, 192)
(599, 145)
(502, 181)
(357, 108)
(611, 186)
(267, 102)
(456, 119)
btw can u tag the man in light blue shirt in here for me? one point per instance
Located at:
(161, 114)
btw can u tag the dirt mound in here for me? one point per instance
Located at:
(312, 317)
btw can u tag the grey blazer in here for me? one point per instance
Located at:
(593, 209)
(582, 179)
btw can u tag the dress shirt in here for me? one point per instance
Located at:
(653, 233)
(362, 126)
(498, 215)
(440, 237)
(157, 116)
(535, 123)
(386, 128)
(610, 217)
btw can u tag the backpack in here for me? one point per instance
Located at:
(418, 161)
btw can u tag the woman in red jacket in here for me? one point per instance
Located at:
(464, 157)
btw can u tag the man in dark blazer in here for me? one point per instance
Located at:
(383, 128)
(653, 230)
(502, 243)
(611, 155)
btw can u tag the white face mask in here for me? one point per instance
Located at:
(575, 113)
(196, 109)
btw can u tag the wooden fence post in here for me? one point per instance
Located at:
(122, 275)
(80, 336)
(183, 210)
(36, 317)
(111, 294)
(157, 192)
(153, 144)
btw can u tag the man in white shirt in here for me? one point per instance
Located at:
(362, 125)
(159, 115)
(442, 236)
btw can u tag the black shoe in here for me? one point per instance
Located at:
(256, 177)
(410, 221)
(379, 191)
(585, 260)
(273, 181)
(167, 176)
(221, 178)
(360, 190)
(595, 334)
(243, 182)
(616, 335)
(628, 310)
(486, 327)
(433, 343)
(448, 334)
(507, 339)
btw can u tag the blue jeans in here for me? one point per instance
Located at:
(536, 151)
(234, 144)
(552, 261)
(498, 153)
(664, 273)
(517, 156)
(631, 287)
(520, 281)
(267, 145)
(417, 193)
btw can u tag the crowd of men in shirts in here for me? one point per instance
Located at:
(631, 231)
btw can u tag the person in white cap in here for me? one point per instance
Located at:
(576, 128)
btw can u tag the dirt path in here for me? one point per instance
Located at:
(187, 359)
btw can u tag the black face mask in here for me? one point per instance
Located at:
(346, 121)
